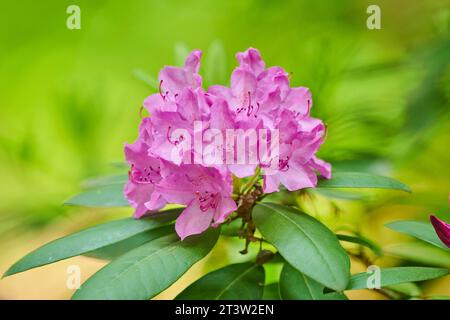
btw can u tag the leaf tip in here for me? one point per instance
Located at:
(8, 272)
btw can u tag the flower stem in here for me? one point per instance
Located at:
(248, 186)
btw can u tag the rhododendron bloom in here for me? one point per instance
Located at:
(205, 191)
(442, 229)
(144, 174)
(262, 98)
(195, 140)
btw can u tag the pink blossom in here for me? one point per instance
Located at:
(173, 80)
(173, 128)
(260, 97)
(205, 191)
(144, 174)
(162, 168)
(442, 229)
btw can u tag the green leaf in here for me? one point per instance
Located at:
(181, 51)
(149, 80)
(362, 241)
(231, 229)
(102, 196)
(144, 272)
(216, 64)
(271, 292)
(438, 297)
(419, 252)
(409, 289)
(335, 296)
(418, 229)
(273, 268)
(305, 243)
(242, 281)
(105, 181)
(390, 276)
(115, 250)
(90, 239)
(339, 195)
(294, 285)
(361, 180)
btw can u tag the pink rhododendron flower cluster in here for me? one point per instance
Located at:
(163, 162)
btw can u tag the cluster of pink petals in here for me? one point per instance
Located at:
(258, 97)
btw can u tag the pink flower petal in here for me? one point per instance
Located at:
(252, 60)
(226, 207)
(442, 229)
(193, 220)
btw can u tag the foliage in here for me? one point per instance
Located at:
(146, 256)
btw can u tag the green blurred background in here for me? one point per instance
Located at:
(70, 99)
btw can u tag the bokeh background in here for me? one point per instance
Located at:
(70, 99)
